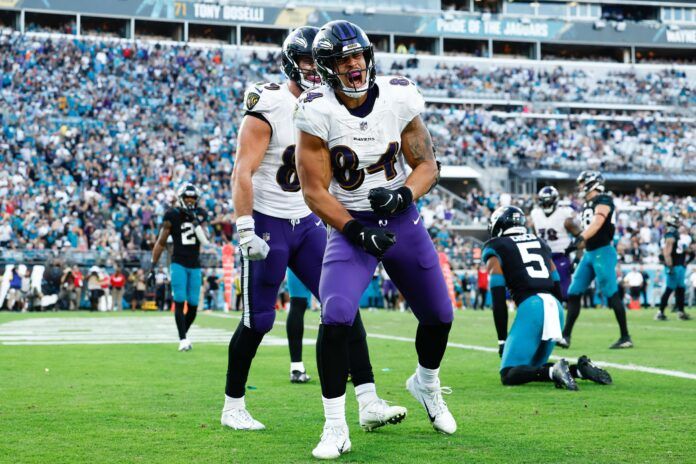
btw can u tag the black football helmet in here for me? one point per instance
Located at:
(335, 40)
(589, 181)
(187, 190)
(548, 199)
(296, 45)
(507, 220)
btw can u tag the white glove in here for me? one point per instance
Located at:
(254, 248)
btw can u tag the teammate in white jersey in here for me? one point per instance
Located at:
(556, 225)
(354, 133)
(277, 231)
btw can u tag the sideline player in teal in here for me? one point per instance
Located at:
(183, 223)
(675, 249)
(599, 260)
(529, 272)
(300, 298)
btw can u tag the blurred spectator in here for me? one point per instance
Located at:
(137, 280)
(94, 288)
(211, 290)
(161, 287)
(67, 298)
(481, 287)
(118, 284)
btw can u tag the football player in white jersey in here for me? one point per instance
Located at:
(556, 225)
(277, 230)
(354, 133)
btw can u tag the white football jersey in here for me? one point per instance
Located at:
(552, 228)
(276, 185)
(365, 152)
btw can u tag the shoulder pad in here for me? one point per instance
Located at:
(604, 199)
(260, 97)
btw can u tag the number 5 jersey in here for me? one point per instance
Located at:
(526, 263)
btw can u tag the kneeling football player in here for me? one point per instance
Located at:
(527, 270)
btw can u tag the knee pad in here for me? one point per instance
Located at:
(504, 379)
(614, 300)
(338, 310)
(263, 323)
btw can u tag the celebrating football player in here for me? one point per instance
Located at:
(353, 135)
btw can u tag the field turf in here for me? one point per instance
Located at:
(147, 403)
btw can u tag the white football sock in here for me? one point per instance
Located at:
(297, 366)
(366, 394)
(428, 377)
(233, 403)
(335, 410)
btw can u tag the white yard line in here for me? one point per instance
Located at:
(626, 367)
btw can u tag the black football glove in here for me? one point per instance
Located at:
(501, 348)
(387, 202)
(373, 240)
(574, 244)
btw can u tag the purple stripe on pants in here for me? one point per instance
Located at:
(412, 264)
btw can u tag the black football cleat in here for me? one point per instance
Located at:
(621, 343)
(660, 316)
(683, 316)
(299, 377)
(590, 371)
(564, 342)
(561, 376)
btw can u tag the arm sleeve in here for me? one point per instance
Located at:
(500, 315)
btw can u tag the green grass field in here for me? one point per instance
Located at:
(131, 403)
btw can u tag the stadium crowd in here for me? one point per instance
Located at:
(640, 144)
(666, 87)
(95, 136)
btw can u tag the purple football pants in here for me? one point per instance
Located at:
(298, 244)
(412, 263)
(564, 268)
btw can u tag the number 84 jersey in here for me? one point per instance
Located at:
(276, 185)
(364, 144)
(526, 262)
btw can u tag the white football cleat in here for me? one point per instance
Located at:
(334, 442)
(379, 413)
(184, 345)
(434, 405)
(240, 419)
